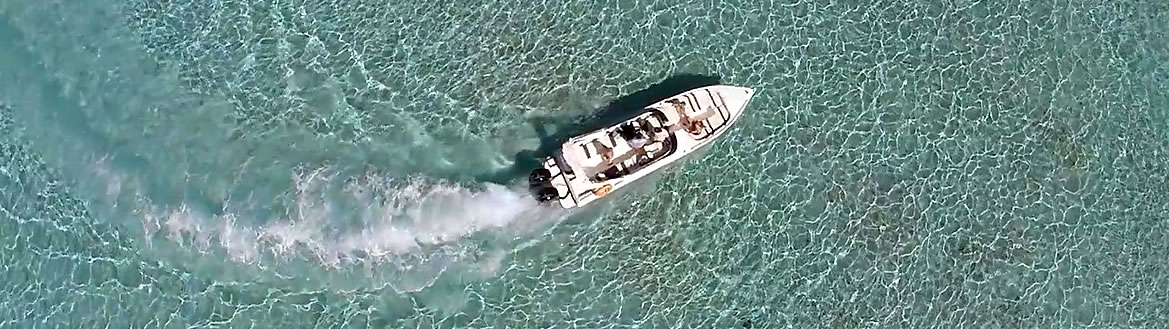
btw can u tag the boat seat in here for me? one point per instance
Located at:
(599, 151)
(654, 146)
(623, 157)
(709, 112)
(591, 154)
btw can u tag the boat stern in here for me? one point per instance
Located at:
(551, 184)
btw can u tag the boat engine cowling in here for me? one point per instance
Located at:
(546, 194)
(539, 176)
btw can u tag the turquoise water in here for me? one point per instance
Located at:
(328, 164)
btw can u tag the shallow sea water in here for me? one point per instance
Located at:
(346, 164)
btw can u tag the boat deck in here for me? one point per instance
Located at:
(605, 154)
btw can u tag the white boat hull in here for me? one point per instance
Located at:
(592, 166)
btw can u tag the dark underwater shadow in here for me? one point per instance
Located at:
(620, 109)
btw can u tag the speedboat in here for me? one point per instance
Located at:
(593, 165)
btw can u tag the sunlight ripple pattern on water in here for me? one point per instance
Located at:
(334, 164)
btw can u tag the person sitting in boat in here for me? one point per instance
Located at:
(633, 136)
(693, 127)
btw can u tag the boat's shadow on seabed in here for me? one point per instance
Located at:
(618, 110)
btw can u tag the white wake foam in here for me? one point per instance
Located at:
(363, 219)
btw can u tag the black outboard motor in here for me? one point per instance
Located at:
(547, 193)
(539, 176)
(540, 181)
